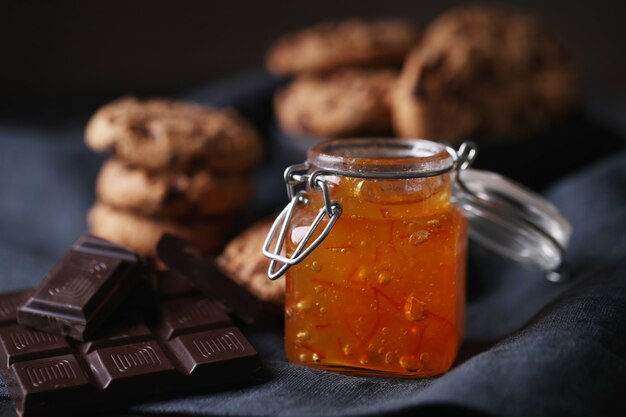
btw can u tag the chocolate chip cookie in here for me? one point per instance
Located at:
(163, 134)
(484, 71)
(243, 261)
(344, 103)
(329, 46)
(141, 234)
(172, 194)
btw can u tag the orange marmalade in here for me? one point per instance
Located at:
(384, 292)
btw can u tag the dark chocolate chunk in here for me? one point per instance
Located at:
(218, 347)
(122, 367)
(189, 314)
(18, 343)
(82, 289)
(9, 302)
(165, 282)
(182, 258)
(189, 346)
(125, 326)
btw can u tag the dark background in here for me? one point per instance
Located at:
(59, 56)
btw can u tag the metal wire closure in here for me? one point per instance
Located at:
(297, 175)
(465, 156)
(332, 209)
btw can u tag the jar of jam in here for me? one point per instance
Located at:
(374, 251)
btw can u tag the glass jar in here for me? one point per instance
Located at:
(375, 253)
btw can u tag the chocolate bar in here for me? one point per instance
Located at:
(82, 289)
(184, 259)
(190, 345)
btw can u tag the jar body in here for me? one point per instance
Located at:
(384, 293)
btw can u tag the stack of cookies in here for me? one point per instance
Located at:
(343, 75)
(477, 72)
(176, 167)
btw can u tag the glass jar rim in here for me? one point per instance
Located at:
(381, 155)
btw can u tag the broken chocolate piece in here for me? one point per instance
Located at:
(84, 288)
(182, 258)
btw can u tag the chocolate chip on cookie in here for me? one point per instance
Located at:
(344, 103)
(173, 194)
(167, 134)
(243, 261)
(330, 46)
(486, 71)
(141, 234)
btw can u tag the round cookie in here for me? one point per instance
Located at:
(486, 71)
(175, 195)
(344, 103)
(329, 46)
(243, 261)
(141, 234)
(162, 134)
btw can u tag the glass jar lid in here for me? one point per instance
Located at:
(511, 220)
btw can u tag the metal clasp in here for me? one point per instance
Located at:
(464, 157)
(294, 176)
